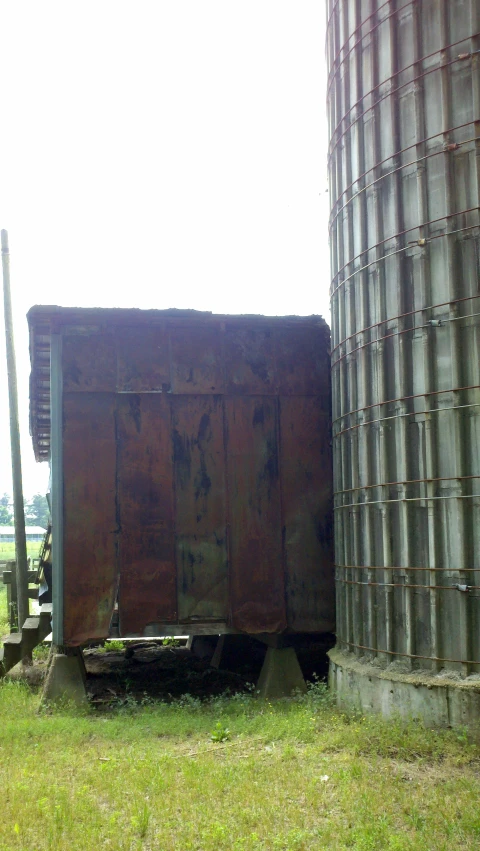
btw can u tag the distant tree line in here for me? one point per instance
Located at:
(36, 511)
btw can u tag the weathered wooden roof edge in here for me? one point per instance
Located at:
(43, 320)
(43, 314)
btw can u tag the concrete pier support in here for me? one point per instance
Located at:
(281, 674)
(66, 677)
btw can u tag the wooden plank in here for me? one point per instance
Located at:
(12, 651)
(147, 591)
(257, 593)
(306, 477)
(200, 519)
(90, 522)
(7, 576)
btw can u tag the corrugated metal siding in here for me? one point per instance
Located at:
(144, 499)
(257, 596)
(214, 491)
(306, 487)
(201, 523)
(404, 114)
(90, 522)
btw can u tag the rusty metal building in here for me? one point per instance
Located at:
(191, 471)
(404, 116)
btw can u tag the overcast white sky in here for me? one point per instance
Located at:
(160, 154)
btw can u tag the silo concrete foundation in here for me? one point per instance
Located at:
(436, 700)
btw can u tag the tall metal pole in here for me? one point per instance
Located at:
(19, 512)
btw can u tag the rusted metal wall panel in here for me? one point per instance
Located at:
(257, 588)
(303, 364)
(89, 363)
(143, 360)
(205, 449)
(200, 520)
(306, 477)
(249, 360)
(196, 356)
(147, 592)
(90, 573)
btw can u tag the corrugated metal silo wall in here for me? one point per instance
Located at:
(404, 115)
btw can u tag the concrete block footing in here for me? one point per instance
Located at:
(281, 674)
(66, 678)
(434, 699)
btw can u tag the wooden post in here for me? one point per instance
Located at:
(19, 512)
(10, 581)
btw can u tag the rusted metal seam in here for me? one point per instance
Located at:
(409, 414)
(228, 530)
(173, 497)
(402, 316)
(443, 150)
(398, 333)
(406, 398)
(403, 567)
(56, 392)
(406, 499)
(281, 500)
(422, 242)
(402, 585)
(407, 482)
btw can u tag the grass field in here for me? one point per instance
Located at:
(7, 551)
(3, 612)
(229, 774)
(286, 776)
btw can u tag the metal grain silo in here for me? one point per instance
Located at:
(404, 168)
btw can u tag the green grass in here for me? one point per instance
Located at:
(7, 551)
(4, 628)
(112, 644)
(289, 776)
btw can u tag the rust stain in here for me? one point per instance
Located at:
(90, 572)
(147, 592)
(196, 353)
(257, 593)
(89, 363)
(303, 363)
(143, 361)
(200, 520)
(250, 360)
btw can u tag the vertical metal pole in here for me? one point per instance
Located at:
(56, 413)
(19, 512)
